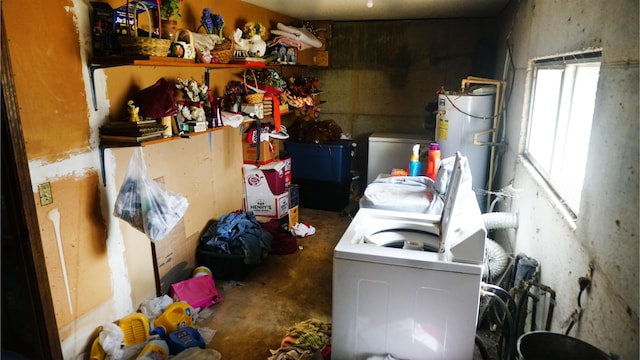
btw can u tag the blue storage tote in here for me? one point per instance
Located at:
(320, 162)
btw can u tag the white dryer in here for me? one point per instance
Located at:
(408, 284)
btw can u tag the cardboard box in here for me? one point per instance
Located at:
(120, 18)
(294, 195)
(269, 151)
(287, 171)
(293, 217)
(102, 31)
(267, 205)
(321, 58)
(264, 180)
(256, 109)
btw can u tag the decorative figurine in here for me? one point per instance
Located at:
(133, 111)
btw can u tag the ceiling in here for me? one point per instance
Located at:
(357, 10)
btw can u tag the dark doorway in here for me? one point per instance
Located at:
(29, 327)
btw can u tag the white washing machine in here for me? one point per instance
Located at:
(408, 284)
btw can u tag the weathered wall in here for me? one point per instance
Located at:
(107, 269)
(383, 74)
(606, 232)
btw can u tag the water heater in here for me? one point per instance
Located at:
(461, 117)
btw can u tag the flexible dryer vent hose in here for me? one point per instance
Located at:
(497, 259)
(500, 220)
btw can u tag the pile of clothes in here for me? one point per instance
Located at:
(238, 233)
(307, 340)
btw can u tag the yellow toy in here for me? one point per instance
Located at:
(133, 111)
(177, 315)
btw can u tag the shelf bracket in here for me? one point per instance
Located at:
(92, 80)
(103, 172)
(206, 77)
(101, 149)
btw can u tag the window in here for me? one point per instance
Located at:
(562, 102)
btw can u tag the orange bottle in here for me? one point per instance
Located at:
(433, 162)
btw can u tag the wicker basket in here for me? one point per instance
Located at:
(223, 54)
(255, 98)
(185, 38)
(135, 45)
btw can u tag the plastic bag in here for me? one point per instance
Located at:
(110, 339)
(199, 292)
(155, 307)
(146, 204)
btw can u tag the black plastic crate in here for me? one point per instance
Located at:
(224, 266)
(324, 195)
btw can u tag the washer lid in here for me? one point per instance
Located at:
(463, 234)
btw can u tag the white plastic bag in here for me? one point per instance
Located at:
(110, 339)
(146, 204)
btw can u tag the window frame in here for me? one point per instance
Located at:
(569, 66)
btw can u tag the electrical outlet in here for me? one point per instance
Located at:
(46, 197)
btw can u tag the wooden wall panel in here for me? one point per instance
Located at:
(83, 281)
(206, 169)
(46, 60)
(47, 41)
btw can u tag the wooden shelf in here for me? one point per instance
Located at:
(105, 145)
(112, 61)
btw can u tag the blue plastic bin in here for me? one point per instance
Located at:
(320, 162)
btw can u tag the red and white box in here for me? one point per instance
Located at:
(269, 178)
(265, 190)
(267, 205)
(287, 171)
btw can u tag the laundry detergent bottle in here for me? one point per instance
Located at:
(415, 167)
(433, 162)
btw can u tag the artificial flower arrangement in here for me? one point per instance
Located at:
(250, 42)
(233, 93)
(170, 9)
(302, 94)
(212, 23)
(303, 86)
(270, 78)
(195, 97)
(252, 29)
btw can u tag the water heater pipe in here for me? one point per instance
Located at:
(497, 113)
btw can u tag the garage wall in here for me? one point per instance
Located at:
(606, 232)
(99, 268)
(383, 74)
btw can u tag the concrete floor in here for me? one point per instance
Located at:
(255, 313)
